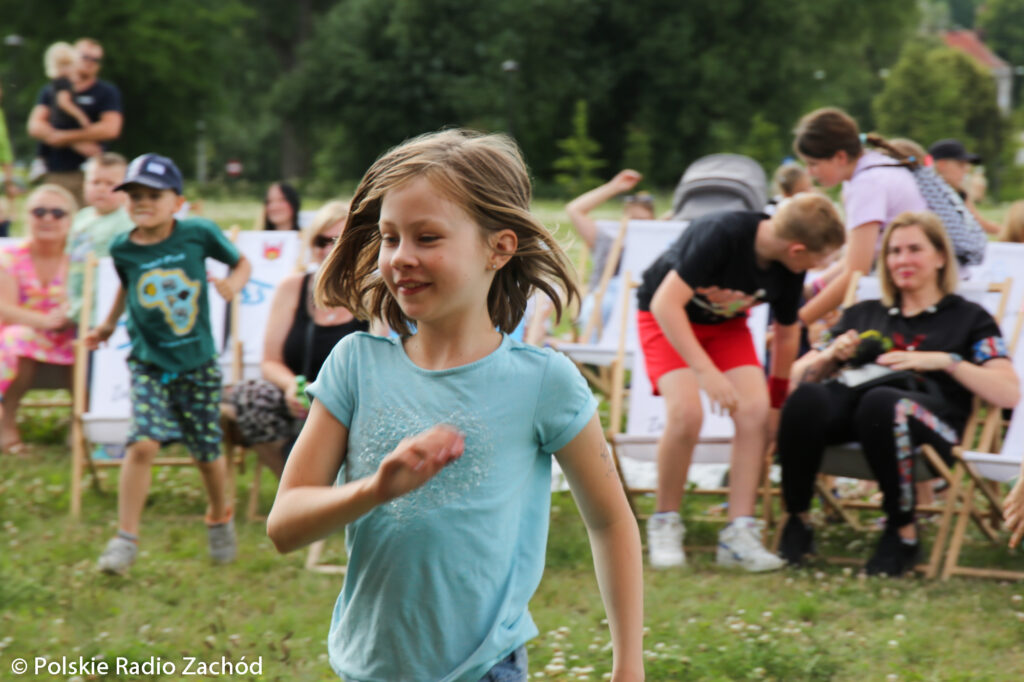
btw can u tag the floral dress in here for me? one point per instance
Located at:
(16, 341)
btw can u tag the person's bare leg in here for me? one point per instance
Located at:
(751, 440)
(683, 419)
(133, 488)
(215, 481)
(16, 390)
(271, 456)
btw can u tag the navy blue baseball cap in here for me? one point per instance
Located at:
(153, 170)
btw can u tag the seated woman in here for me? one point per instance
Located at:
(952, 346)
(281, 207)
(33, 304)
(267, 413)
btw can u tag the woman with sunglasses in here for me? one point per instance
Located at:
(34, 327)
(267, 413)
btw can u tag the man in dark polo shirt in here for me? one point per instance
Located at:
(101, 102)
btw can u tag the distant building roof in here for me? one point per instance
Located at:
(970, 43)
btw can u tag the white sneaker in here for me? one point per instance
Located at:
(740, 545)
(665, 540)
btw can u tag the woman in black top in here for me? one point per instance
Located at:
(953, 346)
(266, 413)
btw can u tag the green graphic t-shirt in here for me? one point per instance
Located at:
(165, 286)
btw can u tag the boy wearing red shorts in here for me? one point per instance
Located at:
(693, 305)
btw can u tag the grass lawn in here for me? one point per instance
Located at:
(703, 623)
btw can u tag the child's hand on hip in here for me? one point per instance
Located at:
(416, 460)
(224, 288)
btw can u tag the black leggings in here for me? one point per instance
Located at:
(889, 424)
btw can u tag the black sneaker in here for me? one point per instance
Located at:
(893, 556)
(797, 541)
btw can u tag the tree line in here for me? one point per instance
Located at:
(316, 89)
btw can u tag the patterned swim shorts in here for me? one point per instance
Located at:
(171, 407)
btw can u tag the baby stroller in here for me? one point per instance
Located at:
(720, 182)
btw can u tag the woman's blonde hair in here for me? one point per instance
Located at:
(1013, 230)
(50, 188)
(935, 232)
(486, 176)
(56, 54)
(327, 215)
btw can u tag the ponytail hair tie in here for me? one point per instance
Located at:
(863, 138)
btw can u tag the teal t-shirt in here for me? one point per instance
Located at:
(90, 233)
(165, 283)
(439, 580)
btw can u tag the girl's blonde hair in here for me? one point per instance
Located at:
(486, 176)
(1013, 230)
(935, 232)
(50, 188)
(56, 54)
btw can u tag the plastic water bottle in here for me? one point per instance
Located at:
(300, 390)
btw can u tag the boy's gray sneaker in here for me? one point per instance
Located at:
(118, 556)
(223, 546)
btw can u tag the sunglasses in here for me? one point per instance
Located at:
(41, 211)
(321, 241)
(90, 58)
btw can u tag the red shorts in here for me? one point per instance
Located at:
(728, 344)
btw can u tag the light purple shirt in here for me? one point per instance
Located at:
(879, 194)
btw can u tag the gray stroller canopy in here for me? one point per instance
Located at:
(720, 182)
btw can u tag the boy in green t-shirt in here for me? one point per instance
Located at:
(96, 225)
(175, 387)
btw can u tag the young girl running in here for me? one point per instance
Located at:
(433, 450)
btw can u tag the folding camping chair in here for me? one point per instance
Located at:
(984, 470)
(273, 255)
(48, 377)
(652, 238)
(848, 461)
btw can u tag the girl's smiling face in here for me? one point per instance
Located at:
(435, 259)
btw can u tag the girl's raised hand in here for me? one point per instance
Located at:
(416, 460)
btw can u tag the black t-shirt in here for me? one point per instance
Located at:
(717, 250)
(58, 117)
(953, 325)
(95, 100)
(308, 344)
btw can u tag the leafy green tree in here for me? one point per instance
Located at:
(935, 92)
(1002, 24)
(638, 154)
(578, 163)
